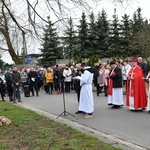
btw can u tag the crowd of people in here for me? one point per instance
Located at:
(58, 79)
(108, 78)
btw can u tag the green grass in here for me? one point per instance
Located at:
(30, 131)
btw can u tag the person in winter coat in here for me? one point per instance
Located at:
(49, 75)
(57, 79)
(9, 84)
(32, 79)
(16, 81)
(67, 75)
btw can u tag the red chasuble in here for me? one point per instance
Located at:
(136, 97)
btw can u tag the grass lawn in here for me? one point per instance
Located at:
(30, 131)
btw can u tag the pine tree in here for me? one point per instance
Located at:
(138, 21)
(70, 41)
(51, 46)
(115, 37)
(92, 35)
(137, 26)
(83, 37)
(125, 36)
(102, 30)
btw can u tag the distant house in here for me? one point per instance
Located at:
(32, 58)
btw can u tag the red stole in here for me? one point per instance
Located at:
(110, 83)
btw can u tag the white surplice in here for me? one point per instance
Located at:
(148, 100)
(86, 95)
(117, 97)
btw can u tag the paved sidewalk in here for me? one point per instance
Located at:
(121, 127)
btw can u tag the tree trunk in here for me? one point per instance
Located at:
(11, 50)
(5, 31)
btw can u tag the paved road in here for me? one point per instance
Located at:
(122, 126)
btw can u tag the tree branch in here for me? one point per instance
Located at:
(3, 49)
(33, 8)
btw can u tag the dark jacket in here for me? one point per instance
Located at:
(117, 78)
(1, 82)
(57, 75)
(8, 80)
(32, 74)
(15, 77)
(61, 73)
(143, 65)
(77, 82)
(96, 71)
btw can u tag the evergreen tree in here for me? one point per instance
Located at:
(137, 26)
(51, 50)
(125, 36)
(83, 37)
(92, 60)
(92, 35)
(102, 30)
(70, 41)
(138, 21)
(115, 37)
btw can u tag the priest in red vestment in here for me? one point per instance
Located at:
(136, 97)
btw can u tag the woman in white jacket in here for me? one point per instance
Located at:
(67, 78)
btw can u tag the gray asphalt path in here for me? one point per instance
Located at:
(121, 127)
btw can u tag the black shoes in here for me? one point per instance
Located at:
(78, 112)
(115, 106)
(110, 104)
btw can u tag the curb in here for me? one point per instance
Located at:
(113, 140)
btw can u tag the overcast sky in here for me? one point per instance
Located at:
(129, 9)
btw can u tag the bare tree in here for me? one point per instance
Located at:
(15, 29)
